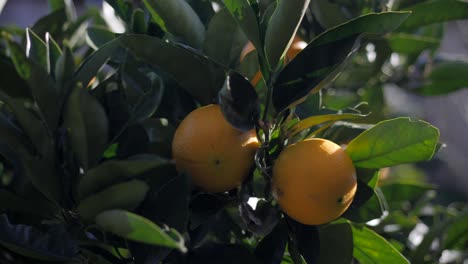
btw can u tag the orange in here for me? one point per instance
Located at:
(314, 181)
(217, 156)
(297, 45)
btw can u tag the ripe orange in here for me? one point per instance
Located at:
(216, 155)
(314, 181)
(297, 45)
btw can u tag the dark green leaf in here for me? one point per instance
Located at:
(336, 243)
(53, 53)
(271, 248)
(36, 49)
(52, 23)
(123, 8)
(282, 28)
(99, 35)
(198, 75)
(456, 235)
(394, 142)
(18, 57)
(11, 82)
(94, 62)
(329, 13)
(137, 228)
(442, 10)
(14, 203)
(56, 4)
(179, 19)
(319, 119)
(64, 69)
(139, 25)
(239, 102)
(245, 16)
(87, 126)
(411, 44)
(222, 253)
(54, 245)
(369, 247)
(219, 46)
(446, 77)
(175, 192)
(306, 238)
(114, 171)
(322, 60)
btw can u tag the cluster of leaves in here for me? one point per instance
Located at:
(88, 117)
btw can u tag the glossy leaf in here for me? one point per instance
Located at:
(198, 75)
(53, 53)
(113, 171)
(411, 44)
(403, 192)
(442, 10)
(445, 78)
(319, 119)
(239, 102)
(322, 60)
(122, 8)
(139, 25)
(245, 16)
(52, 23)
(53, 245)
(179, 19)
(2, 5)
(64, 70)
(219, 46)
(138, 228)
(394, 142)
(282, 28)
(336, 237)
(369, 247)
(11, 82)
(87, 126)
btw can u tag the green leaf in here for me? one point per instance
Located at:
(198, 75)
(52, 23)
(36, 49)
(19, 59)
(87, 126)
(219, 46)
(271, 248)
(440, 10)
(140, 229)
(123, 8)
(336, 237)
(282, 28)
(51, 245)
(369, 247)
(99, 35)
(239, 102)
(64, 70)
(175, 192)
(445, 78)
(319, 119)
(306, 239)
(11, 82)
(247, 20)
(94, 62)
(322, 60)
(53, 53)
(411, 44)
(179, 19)
(113, 171)
(139, 25)
(394, 142)
(126, 195)
(401, 192)
(456, 235)
(14, 203)
(56, 4)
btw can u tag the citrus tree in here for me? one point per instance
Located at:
(208, 132)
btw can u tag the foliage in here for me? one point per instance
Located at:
(87, 118)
